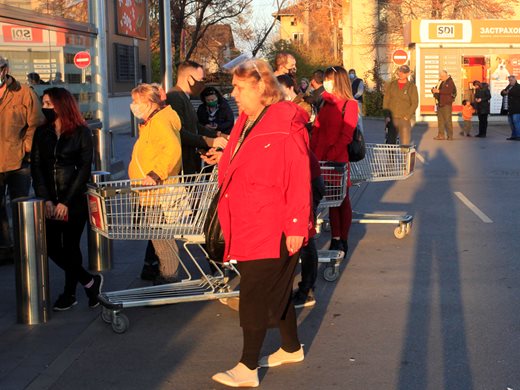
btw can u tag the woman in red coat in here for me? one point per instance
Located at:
(264, 212)
(332, 133)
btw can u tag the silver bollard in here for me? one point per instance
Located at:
(99, 247)
(31, 265)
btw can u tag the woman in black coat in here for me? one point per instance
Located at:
(61, 159)
(482, 105)
(214, 112)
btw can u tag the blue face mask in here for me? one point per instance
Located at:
(352, 76)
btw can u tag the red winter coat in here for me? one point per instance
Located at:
(265, 188)
(331, 134)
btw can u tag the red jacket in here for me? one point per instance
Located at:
(331, 134)
(265, 188)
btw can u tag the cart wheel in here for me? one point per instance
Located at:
(106, 315)
(325, 227)
(400, 232)
(120, 323)
(408, 228)
(330, 274)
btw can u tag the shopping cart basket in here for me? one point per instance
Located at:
(335, 178)
(176, 209)
(384, 163)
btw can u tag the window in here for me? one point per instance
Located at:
(298, 38)
(77, 10)
(125, 63)
(293, 22)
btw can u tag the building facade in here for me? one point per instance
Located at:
(60, 41)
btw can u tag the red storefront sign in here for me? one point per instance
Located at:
(19, 34)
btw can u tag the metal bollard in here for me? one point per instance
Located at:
(99, 247)
(31, 264)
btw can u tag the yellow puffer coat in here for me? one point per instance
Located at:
(158, 147)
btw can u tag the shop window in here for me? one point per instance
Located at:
(69, 9)
(125, 63)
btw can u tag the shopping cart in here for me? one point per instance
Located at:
(335, 178)
(176, 209)
(384, 163)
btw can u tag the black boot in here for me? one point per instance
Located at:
(335, 245)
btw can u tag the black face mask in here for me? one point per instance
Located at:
(197, 86)
(292, 72)
(49, 114)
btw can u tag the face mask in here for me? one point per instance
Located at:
(3, 74)
(49, 114)
(328, 85)
(139, 110)
(197, 86)
(352, 76)
(292, 72)
(212, 104)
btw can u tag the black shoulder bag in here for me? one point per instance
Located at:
(213, 235)
(357, 148)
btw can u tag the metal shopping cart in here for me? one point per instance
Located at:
(335, 178)
(384, 163)
(176, 209)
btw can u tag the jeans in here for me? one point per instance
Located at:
(514, 123)
(18, 183)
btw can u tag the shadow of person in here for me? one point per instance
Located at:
(435, 334)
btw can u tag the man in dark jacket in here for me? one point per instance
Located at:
(190, 82)
(511, 104)
(482, 105)
(20, 115)
(444, 94)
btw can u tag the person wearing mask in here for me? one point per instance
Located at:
(304, 85)
(287, 84)
(399, 103)
(190, 82)
(264, 212)
(155, 157)
(215, 112)
(61, 160)
(285, 63)
(333, 131)
(358, 89)
(511, 104)
(444, 93)
(482, 105)
(317, 90)
(20, 115)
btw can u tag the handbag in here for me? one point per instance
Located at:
(357, 148)
(214, 237)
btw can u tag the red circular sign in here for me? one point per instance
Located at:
(400, 57)
(82, 59)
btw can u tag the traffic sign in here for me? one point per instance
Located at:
(82, 59)
(400, 57)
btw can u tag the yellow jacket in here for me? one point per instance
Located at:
(158, 148)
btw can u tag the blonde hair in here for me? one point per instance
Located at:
(342, 87)
(256, 70)
(149, 92)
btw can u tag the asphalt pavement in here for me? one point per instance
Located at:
(435, 310)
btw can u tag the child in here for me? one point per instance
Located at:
(467, 113)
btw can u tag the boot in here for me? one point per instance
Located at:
(238, 376)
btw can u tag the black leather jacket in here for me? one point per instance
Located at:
(60, 168)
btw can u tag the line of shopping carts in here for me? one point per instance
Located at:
(177, 209)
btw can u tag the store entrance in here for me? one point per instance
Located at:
(473, 68)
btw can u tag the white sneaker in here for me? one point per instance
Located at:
(281, 357)
(238, 376)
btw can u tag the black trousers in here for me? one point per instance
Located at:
(482, 124)
(309, 258)
(63, 247)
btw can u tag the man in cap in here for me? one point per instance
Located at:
(20, 115)
(399, 104)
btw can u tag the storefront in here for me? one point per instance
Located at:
(483, 50)
(62, 43)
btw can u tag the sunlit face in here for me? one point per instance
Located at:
(46, 102)
(290, 66)
(402, 76)
(248, 94)
(443, 76)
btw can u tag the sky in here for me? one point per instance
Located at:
(264, 8)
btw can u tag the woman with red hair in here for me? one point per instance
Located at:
(61, 161)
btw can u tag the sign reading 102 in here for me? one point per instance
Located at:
(446, 31)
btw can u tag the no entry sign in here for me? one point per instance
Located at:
(400, 57)
(82, 59)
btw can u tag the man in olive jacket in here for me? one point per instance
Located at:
(444, 94)
(20, 115)
(399, 103)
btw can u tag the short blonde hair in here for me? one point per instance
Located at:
(257, 70)
(149, 92)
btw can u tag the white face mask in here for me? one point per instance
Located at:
(139, 110)
(328, 85)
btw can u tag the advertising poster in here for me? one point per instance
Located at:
(130, 18)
